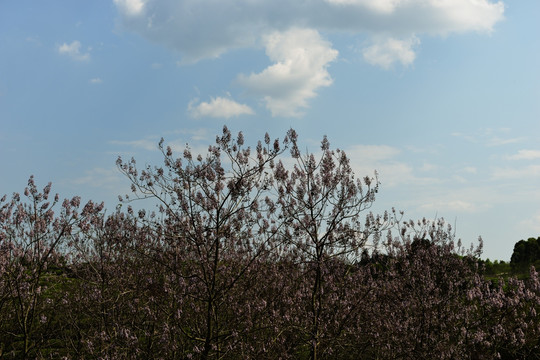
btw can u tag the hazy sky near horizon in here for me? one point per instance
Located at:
(441, 97)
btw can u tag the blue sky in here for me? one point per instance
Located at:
(441, 97)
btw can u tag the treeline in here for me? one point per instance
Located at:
(247, 258)
(526, 253)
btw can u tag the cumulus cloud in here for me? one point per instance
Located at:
(385, 52)
(73, 50)
(383, 6)
(430, 16)
(301, 58)
(207, 28)
(218, 108)
(95, 81)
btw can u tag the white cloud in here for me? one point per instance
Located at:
(130, 7)
(526, 172)
(289, 31)
(525, 155)
(444, 15)
(383, 6)
(218, 108)
(385, 52)
(74, 51)
(208, 28)
(467, 15)
(301, 58)
(95, 81)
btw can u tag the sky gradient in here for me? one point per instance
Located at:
(441, 97)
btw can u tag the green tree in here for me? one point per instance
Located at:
(525, 254)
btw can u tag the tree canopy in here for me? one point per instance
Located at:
(525, 254)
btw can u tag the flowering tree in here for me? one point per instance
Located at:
(321, 202)
(31, 246)
(250, 254)
(217, 219)
(112, 311)
(505, 322)
(420, 304)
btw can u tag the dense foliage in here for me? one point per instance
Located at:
(250, 254)
(525, 254)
